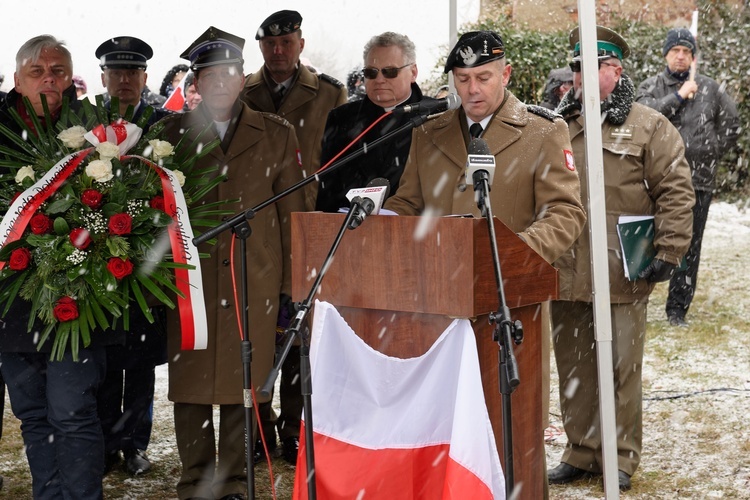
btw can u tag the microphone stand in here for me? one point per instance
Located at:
(228, 224)
(295, 330)
(505, 332)
(238, 224)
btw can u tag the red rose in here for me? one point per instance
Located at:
(80, 238)
(119, 267)
(65, 309)
(91, 198)
(157, 202)
(20, 259)
(40, 224)
(120, 224)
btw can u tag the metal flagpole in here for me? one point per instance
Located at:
(598, 231)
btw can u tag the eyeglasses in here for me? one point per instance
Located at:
(575, 66)
(372, 73)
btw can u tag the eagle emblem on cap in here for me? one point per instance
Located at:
(274, 29)
(468, 55)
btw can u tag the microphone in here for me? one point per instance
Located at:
(370, 199)
(479, 162)
(431, 106)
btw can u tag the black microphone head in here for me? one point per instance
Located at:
(478, 146)
(381, 181)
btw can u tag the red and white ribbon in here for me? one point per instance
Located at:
(19, 214)
(192, 307)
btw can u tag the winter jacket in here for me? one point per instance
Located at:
(259, 156)
(386, 160)
(305, 105)
(708, 123)
(645, 173)
(535, 190)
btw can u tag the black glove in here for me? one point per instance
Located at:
(658, 270)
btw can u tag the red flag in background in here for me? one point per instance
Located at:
(395, 428)
(176, 100)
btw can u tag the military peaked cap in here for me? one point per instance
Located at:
(608, 44)
(214, 47)
(124, 52)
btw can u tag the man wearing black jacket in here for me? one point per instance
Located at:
(55, 400)
(390, 81)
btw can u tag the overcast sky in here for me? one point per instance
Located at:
(335, 31)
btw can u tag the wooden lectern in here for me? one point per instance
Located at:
(400, 281)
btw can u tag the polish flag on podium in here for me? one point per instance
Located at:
(392, 428)
(176, 100)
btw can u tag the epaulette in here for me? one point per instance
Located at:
(331, 80)
(276, 118)
(543, 112)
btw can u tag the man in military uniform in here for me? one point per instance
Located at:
(258, 154)
(286, 87)
(538, 198)
(645, 173)
(126, 397)
(123, 60)
(535, 190)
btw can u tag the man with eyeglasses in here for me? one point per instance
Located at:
(645, 173)
(707, 119)
(390, 72)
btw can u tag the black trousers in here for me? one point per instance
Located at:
(683, 283)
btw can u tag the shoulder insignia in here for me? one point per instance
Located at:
(276, 118)
(543, 112)
(331, 80)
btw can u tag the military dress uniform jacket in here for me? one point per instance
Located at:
(645, 173)
(535, 191)
(259, 156)
(305, 105)
(709, 123)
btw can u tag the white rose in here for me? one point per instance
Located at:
(24, 172)
(107, 150)
(160, 149)
(179, 176)
(73, 137)
(100, 170)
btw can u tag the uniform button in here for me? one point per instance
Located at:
(461, 187)
(225, 304)
(225, 262)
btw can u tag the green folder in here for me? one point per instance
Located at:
(636, 233)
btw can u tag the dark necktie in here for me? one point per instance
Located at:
(277, 95)
(475, 130)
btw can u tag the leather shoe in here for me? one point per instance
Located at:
(136, 462)
(110, 460)
(566, 473)
(291, 446)
(233, 496)
(624, 480)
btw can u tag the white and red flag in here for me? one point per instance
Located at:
(176, 100)
(392, 428)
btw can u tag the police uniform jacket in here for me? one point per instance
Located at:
(645, 173)
(305, 105)
(535, 190)
(708, 123)
(258, 155)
